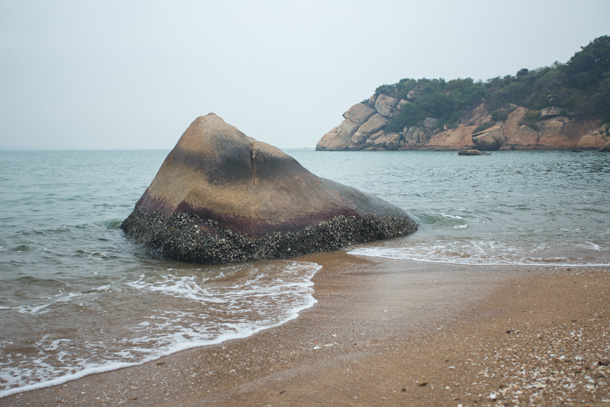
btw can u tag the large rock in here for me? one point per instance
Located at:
(359, 113)
(385, 105)
(348, 127)
(359, 139)
(518, 135)
(594, 139)
(472, 152)
(402, 103)
(372, 126)
(489, 140)
(221, 196)
(412, 134)
(548, 112)
(388, 141)
(431, 123)
(451, 139)
(334, 140)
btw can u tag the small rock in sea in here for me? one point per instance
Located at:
(471, 152)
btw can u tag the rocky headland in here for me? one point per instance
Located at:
(221, 197)
(523, 129)
(564, 106)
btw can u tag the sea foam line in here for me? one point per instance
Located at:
(246, 330)
(399, 254)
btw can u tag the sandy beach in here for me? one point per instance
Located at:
(390, 332)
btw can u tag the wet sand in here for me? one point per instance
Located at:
(389, 332)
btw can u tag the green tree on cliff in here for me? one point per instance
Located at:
(581, 87)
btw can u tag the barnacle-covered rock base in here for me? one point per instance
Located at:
(222, 197)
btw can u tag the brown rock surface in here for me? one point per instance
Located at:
(388, 141)
(359, 113)
(334, 140)
(549, 112)
(563, 133)
(221, 196)
(546, 129)
(595, 139)
(453, 139)
(348, 128)
(489, 140)
(519, 136)
(372, 125)
(385, 105)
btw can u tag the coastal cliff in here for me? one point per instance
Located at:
(565, 106)
(363, 129)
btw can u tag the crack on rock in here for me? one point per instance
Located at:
(252, 166)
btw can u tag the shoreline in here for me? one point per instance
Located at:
(389, 331)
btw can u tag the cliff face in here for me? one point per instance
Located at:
(522, 129)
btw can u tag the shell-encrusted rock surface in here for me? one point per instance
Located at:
(221, 197)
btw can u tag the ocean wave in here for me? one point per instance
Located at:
(476, 253)
(179, 309)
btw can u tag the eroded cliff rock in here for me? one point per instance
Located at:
(521, 129)
(221, 196)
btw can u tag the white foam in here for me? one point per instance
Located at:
(32, 309)
(54, 345)
(481, 253)
(590, 246)
(278, 298)
(449, 216)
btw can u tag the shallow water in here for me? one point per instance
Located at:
(512, 208)
(76, 297)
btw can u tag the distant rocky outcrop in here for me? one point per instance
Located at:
(221, 196)
(521, 129)
(472, 152)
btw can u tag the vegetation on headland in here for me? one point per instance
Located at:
(579, 88)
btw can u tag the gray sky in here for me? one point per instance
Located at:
(120, 74)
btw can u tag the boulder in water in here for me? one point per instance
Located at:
(472, 151)
(221, 197)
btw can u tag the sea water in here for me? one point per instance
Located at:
(77, 297)
(531, 208)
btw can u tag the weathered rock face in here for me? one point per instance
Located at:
(221, 196)
(489, 140)
(359, 113)
(371, 126)
(523, 129)
(384, 105)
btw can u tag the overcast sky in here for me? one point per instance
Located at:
(120, 74)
